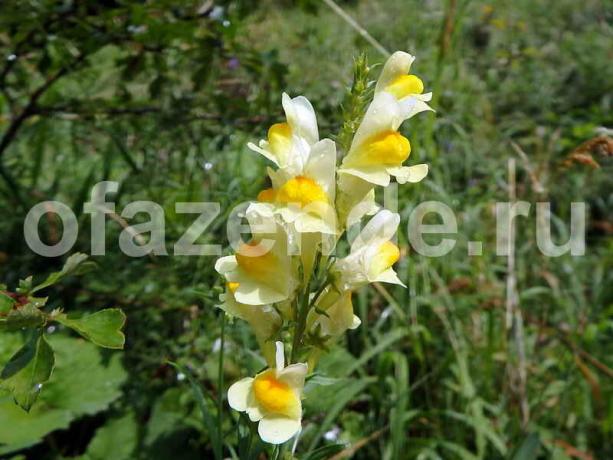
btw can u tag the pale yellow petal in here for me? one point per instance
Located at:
(277, 430)
(239, 394)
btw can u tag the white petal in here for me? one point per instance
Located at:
(301, 117)
(226, 264)
(321, 166)
(239, 393)
(389, 276)
(398, 64)
(379, 229)
(254, 413)
(251, 292)
(278, 177)
(366, 207)
(425, 97)
(412, 105)
(294, 376)
(277, 430)
(257, 210)
(279, 356)
(356, 322)
(412, 174)
(383, 114)
(306, 223)
(263, 151)
(289, 213)
(374, 175)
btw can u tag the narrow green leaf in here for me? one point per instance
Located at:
(324, 452)
(480, 424)
(460, 451)
(27, 370)
(529, 448)
(350, 389)
(207, 417)
(399, 408)
(102, 328)
(385, 342)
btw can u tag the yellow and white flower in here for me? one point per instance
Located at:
(372, 254)
(263, 319)
(406, 88)
(273, 398)
(262, 271)
(378, 149)
(288, 145)
(306, 199)
(303, 186)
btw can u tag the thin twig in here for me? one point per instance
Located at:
(350, 451)
(358, 28)
(447, 30)
(511, 298)
(514, 319)
(537, 186)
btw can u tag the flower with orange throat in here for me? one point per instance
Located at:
(273, 398)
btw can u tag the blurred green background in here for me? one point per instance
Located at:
(162, 96)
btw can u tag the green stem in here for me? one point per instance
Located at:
(320, 292)
(220, 383)
(303, 311)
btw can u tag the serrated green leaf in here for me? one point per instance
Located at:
(74, 265)
(102, 328)
(27, 370)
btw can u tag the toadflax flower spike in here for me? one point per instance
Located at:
(273, 398)
(285, 282)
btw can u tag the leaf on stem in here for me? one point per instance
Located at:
(74, 265)
(27, 370)
(102, 328)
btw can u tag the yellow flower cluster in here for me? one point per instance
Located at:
(285, 282)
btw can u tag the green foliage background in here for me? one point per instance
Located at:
(162, 96)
